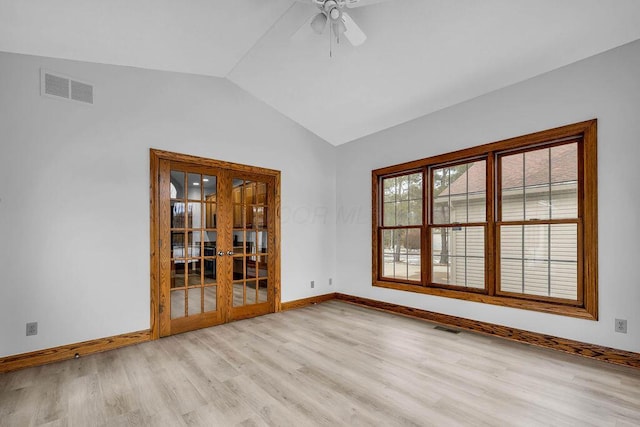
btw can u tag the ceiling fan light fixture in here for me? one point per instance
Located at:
(318, 23)
(333, 15)
(338, 28)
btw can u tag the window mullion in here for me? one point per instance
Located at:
(549, 260)
(425, 233)
(491, 207)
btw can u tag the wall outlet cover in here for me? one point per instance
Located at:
(32, 328)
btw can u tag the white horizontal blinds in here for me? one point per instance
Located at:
(458, 217)
(538, 230)
(402, 218)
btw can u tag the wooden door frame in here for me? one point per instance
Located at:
(155, 156)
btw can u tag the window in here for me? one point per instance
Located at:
(512, 223)
(538, 222)
(458, 224)
(402, 226)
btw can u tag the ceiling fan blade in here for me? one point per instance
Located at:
(353, 33)
(360, 3)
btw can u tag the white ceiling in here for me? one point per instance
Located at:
(420, 55)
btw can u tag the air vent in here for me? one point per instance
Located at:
(442, 328)
(81, 92)
(56, 86)
(60, 86)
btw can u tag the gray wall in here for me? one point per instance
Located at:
(606, 87)
(74, 192)
(74, 216)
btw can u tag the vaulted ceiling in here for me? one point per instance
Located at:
(420, 55)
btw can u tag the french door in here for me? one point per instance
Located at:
(217, 226)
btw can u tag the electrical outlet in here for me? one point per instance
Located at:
(330, 281)
(313, 284)
(621, 325)
(32, 328)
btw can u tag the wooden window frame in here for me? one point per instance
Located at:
(550, 221)
(431, 224)
(420, 227)
(586, 307)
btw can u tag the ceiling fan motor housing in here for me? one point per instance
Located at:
(340, 22)
(332, 9)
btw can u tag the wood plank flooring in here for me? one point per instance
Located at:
(328, 364)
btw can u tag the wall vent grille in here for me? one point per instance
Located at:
(445, 329)
(56, 86)
(60, 86)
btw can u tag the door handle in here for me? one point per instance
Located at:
(229, 253)
(220, 253)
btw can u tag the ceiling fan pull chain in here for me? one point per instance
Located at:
(330, 44)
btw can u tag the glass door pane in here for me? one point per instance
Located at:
(191, 208)
(250, 238)
(217, 262)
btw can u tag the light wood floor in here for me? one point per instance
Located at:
(327, 364)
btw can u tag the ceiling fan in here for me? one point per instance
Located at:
(332, 14)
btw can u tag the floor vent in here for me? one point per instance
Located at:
(60, 86)
(445, 329)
